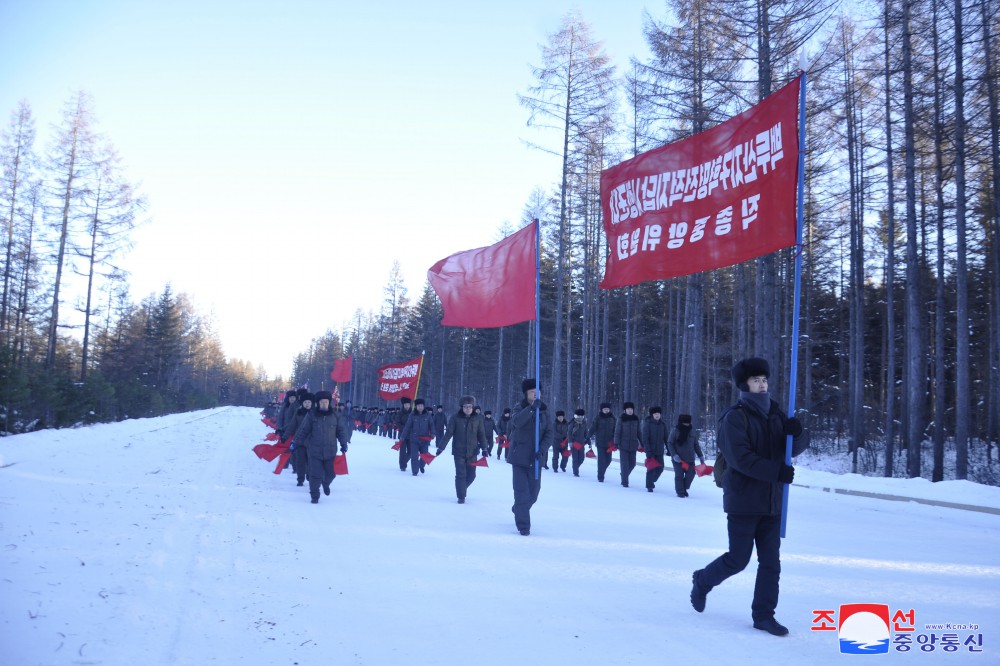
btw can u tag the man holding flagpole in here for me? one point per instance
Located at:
(524, 457)
(752, 438)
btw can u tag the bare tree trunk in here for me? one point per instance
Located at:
(993, 225)
(890, 266)
(914, 379)
(963, 393)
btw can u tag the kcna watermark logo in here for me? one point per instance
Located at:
(874, 628)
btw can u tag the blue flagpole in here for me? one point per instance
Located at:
(538, 337)
(794, 370)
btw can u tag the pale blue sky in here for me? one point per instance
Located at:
(303, 139)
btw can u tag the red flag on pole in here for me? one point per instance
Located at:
(711, 200)
(342, 369)
(399, 380)
(490, 286)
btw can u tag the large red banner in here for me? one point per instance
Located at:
(715, 199)
(399, 380)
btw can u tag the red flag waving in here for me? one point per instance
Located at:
(399, 380)
(490, 286)
(342, 369)
(711, 200)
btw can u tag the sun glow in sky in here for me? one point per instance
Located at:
(291, 151)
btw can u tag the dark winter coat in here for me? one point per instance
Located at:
(488, 425)
(320, 432)
(576, 431)
(603, 430)
(687, 450)
(295, 420)
(504, 426)
(560, 431)
(418, 427)
(522, 435)
(467, 434)
(440, 419)
(402, 416)
(654, 436)
(284, 414)
(753, 444)
(627, 433)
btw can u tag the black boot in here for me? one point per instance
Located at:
(698, 592)
(771, 626)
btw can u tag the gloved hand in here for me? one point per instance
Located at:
(793, 427)
(786, 474)
(291, 446)
(485, 453)
(343, 449)
(701, 460)
(676, 458)
(439, 452)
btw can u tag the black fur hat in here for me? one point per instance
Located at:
(324, 395)
(404, 400)
(629, 405)
(466, 400)
(580, 412)
(488, 414)
(605, 405)
(527, 385)
(419, 401)
(747, 368)
(655, 410)
(560, 413)
(307, 396)
(684, 419)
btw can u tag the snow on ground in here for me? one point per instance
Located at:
(166, 541)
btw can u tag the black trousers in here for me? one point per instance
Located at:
(653, 475)
(465, 474)
(682, 477)
(526, 488)
(745, 532)
(320, 474)
(626, 460)
(603, 460)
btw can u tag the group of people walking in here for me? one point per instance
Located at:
(751, 439)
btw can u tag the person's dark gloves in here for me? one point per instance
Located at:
(786, 474)
(343, 449)
(291, 446)
(793, 427)
(439, 452)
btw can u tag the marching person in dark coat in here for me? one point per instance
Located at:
(321, 430)
(300, 459)
(468, 437)
(503, 427)
(417, 435)
(440, 421)
(752, 438)
(577, 438)
(559, 441)
(288, 407)
(524, 458)
(654, 441)
(488, 425)
(603, 432)
(683, 447)
(627, 441)
(399, 423)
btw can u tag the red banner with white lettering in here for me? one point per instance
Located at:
(711, 200)
(399, 380)
(342, 369)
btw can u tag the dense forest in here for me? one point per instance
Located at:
(899, 353)
(900, 327)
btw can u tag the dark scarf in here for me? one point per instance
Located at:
(684, 430)
(761, 402)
